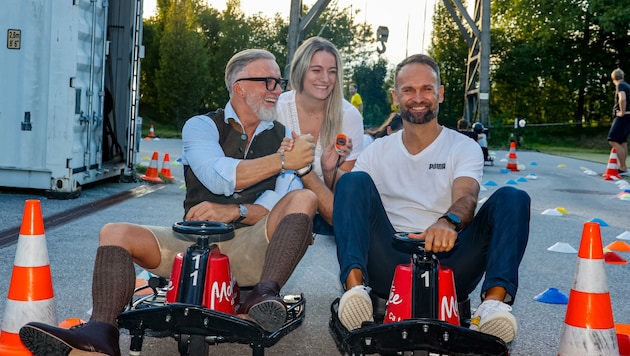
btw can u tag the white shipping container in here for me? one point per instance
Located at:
(58, 59)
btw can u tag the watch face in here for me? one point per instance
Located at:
(242, 209)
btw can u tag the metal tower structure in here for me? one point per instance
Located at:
(476, 32)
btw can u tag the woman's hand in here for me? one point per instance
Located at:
(331, 155)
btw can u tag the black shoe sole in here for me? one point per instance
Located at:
(41, 343)
(270, 315)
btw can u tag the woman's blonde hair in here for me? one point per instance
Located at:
(333, 116)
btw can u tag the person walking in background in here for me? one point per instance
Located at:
(618, 134)
(355, 98)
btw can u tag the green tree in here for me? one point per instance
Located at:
(188, 44)
(370, 80)
(182, 78)
(450, 51)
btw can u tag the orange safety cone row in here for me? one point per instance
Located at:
(512, 164)
(612, 171)
(166, 169)
(589, 327)
(152, 172)
(31, 295)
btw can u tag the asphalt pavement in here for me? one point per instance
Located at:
(551, 181)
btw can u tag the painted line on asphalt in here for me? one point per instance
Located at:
(10, 235)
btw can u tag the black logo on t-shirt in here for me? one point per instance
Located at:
(437, 166)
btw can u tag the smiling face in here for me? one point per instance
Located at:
(321, 76)
(417, 93)
(260, 100)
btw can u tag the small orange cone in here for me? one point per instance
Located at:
(512, 164)
(612, 171)
(31, 296)
(152, 172)
(152, 132)
(589, 327)
(71, 322)
(166, 169)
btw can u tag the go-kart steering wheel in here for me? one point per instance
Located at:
(403, 243)
(206, 231)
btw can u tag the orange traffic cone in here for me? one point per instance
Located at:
(166, 169)
(512, 165)
(589, 327)
(152, 132)
(152, 172)
(612, 171)
(31, 296)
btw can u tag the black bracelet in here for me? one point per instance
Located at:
(302, 174)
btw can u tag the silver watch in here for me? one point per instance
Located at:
(242, 210)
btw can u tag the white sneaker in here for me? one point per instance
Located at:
(355, 307)
(493, 317)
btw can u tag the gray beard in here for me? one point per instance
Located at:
(263, 113)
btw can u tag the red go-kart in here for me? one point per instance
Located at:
(421, 317)
(196, 306)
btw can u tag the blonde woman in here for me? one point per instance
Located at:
(316, 106)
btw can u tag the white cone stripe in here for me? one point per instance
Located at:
(18, 313)
(31, 251)
(579, 341)
(590, 276)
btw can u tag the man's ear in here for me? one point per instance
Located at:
(238, 90)
(395, 97)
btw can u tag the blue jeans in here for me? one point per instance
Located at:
(493, 243)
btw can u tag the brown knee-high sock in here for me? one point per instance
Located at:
(113, 282)
(286, 247)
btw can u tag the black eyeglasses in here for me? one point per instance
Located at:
(270, 82)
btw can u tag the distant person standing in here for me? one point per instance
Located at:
(618, 134)
(355, 98)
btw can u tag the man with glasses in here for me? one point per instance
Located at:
(236, 171)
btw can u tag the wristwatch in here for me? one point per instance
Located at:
(453, 219)
(242, 209)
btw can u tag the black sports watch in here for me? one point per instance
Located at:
(453, 219)
(242, 209)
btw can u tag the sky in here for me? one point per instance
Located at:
(408, 21)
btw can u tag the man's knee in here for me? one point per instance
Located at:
(115, 234)
(511, 195)
(353, 181)
(302, 201)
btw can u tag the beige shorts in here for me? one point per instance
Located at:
(246, 250)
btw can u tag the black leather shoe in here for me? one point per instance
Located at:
(265, 307)
(92, 338)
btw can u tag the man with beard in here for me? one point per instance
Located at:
(426, 178)
(237, 172)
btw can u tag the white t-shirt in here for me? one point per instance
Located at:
(352, 127)
(416, 189)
